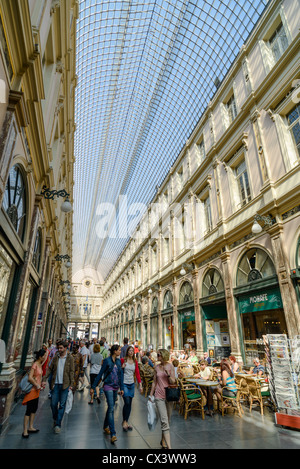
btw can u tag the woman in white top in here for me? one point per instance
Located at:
(96, 363)
(131, 371)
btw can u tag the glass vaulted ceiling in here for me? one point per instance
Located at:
(146, 72)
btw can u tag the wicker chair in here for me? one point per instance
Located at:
(191, 399)
(244, 388)
(231, 402)
(255, 393)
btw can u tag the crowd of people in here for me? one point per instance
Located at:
(72, 365)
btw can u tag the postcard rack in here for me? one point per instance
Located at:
(283, 368)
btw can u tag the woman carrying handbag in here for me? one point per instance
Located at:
(131, 370)
(31, 399)
(164, 376)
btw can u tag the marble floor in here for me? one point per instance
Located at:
(82, 429)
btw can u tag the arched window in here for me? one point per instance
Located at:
(255, 264)
(212, 283)
(186, 293)
(36, 257)
(168, 299)
(126, 316)
(139, 311)
(154, 307)
(14, 200)
(132, 314)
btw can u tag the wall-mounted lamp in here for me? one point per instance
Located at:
(186, 268)
(62, 282)
(48, 194)
(62, 257)
(256, 227)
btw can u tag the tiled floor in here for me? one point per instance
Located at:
(82, 429)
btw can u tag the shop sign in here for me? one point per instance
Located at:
(270, 299)
(187, 316)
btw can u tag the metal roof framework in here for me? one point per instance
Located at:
(146, 72)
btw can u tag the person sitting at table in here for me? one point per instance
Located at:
(207, 358)
(226, 380)
(207, 391)
(181, 355)
(204, 372)
(233, 364)
(175, 363)
(258, 369)
(193, 358)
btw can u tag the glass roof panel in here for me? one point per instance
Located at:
(146, 72)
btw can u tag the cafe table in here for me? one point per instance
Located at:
(202, 382)
(205, 384)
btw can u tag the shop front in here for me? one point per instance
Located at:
(154, 331)
(216, 331)
(295, 273)
(187, 329)
(167, 321)
(186, 317)
(259, 303)
(261, 313)
(168, 332)
(216, 338)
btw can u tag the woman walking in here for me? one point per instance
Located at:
(131, 371)
(31, 399)
(112, 376)
(164, 375)
(96, 361)
(78, 363)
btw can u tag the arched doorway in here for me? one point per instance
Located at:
(216, 338)
(186, 319)
(259, 301)
(167, 321)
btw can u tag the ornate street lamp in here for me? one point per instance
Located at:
(50, 194)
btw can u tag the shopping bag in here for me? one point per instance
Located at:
(152, 415)
(69, 402)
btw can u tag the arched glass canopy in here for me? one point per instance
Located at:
(146, 72)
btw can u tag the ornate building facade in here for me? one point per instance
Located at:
(214, 262)
(37, 86)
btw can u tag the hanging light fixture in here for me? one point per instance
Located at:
(182, 271)
(256, 227)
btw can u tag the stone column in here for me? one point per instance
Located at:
(175, 315)
(231, 309)
(287, 290)
(148, 319)
(198, 319)
(160, 332)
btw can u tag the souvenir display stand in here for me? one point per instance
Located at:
(283, 367)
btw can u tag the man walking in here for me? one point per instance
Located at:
(62, 370)
(124, 348)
